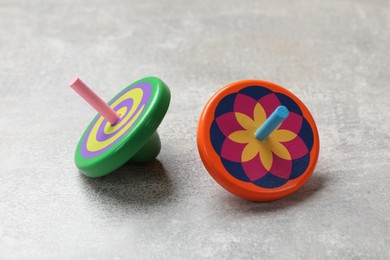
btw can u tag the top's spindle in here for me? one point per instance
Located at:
(272, 122)
(94, 100)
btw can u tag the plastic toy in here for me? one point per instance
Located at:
(258, 140)
(124, 129)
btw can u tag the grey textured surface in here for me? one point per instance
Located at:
(333, 54)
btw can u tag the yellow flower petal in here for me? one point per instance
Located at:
(278, 149)
(241, 136)
(245, 121)
(259, 114)
(283, 135)
(265, 156)
(249, 152)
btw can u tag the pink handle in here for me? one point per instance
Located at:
(95, 101)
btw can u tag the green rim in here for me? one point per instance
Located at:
(134, 139)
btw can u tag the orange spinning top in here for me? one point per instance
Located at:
(258, 140)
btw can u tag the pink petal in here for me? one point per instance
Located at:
(293, 123)
(281, 168)
(269, 102)
(228, 123)
(245, 105)
(232, 151)
(254, 169)
(296, 147)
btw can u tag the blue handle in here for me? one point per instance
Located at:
(272, 122)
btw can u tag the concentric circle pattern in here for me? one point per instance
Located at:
(284, 156)
(130, 105)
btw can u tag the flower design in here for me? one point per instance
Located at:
(273, 144)
(284, 155)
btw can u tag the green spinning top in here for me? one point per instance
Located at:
(124, 129)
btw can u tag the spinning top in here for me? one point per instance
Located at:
(124, 129)
(258, 140)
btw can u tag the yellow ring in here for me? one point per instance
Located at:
(94, 145)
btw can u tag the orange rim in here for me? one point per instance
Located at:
(212, 160)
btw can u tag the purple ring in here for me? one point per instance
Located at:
(101, 136)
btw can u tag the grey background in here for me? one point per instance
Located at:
(333, 54)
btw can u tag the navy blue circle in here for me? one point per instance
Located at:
(235, 169)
